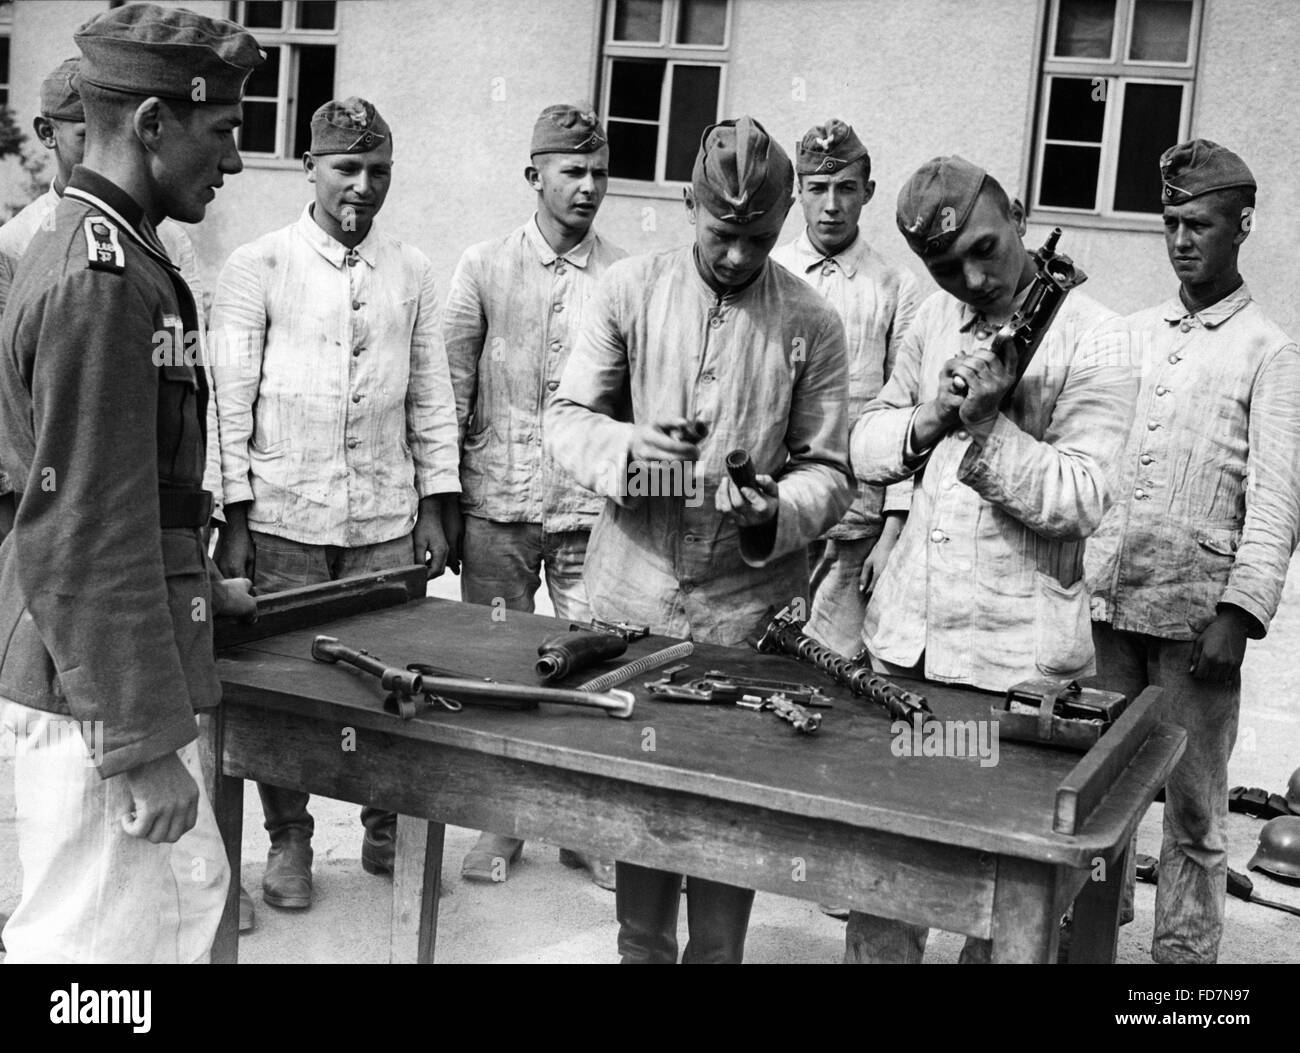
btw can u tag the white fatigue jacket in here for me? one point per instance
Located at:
(333, 395)
(876, 301)
(513, 313)
(986, 580)
(765, 368)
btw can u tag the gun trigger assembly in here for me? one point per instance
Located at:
(790, 701)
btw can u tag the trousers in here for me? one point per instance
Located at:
(647, 902)
(503, 564)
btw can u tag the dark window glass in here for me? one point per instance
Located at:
(1069, 177)
(632, 150)
(4, 60)
(1162, 30)
(702, 22)
(257, 133)
(315, 88)
(1084, 29)
(265, 80)
(264, 14)
(638, 21)
(1073, 113)
(1151, 113)
(693, 108)
(635, 86)
(315, 14)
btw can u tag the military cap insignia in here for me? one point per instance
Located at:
(103, 249)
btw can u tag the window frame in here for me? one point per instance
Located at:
(7, 31)
(1117, 72)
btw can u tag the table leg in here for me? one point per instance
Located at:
(417, 871)
(1026, 916)
(227, 797)
(1096, 915)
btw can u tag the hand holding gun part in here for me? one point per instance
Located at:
(782, 634)
(694, 432)
(789, 701)
(1024, 332)
(568, 652)
(741, 470)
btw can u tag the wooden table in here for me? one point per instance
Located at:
(715, 791)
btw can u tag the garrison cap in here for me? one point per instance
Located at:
(348, 126)
(144, 49)
(60, 100)
(826, 148)
(1199, 167)
(936, 201)
(565, 129)
(741, 172)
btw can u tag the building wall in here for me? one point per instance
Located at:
(462, 80)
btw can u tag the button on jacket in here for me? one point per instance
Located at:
(986, 580)
(765, 368)
(333, 394)
(513, 313)
(97, 602)
(1208, 488)
(876, 302)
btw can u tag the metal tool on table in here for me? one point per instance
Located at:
(631, 670)
(791, 702)
(1057, 713)
(1019, 338)
(1239, 885)
(451, 692)
(566, 653)
(783, 634)
(627, 630)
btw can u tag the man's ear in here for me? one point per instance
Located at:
(309, 166)
(1245, 224)
(44, 130)
(533, 177)
(868, 191)
(1018, 215)
(688, 199)
(148, 122)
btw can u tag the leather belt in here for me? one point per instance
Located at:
(189, 509)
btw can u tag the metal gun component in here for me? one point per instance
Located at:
(328, 649)
(631, 670)
(1057, 712)
(627, 630)
(784, 635)
(566, 653)
(741, 469)
(789, 701)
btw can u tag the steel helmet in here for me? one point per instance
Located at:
(1293, 792)
(1278, 853)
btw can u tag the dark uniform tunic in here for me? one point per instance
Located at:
(105, 601)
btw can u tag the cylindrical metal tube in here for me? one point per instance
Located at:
(741, 469)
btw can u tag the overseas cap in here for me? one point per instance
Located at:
(935, 203)
(1199, 167)
(59, 99)
(347, 126)
(565, 129)
(826, 148)
(144, 49)
(740, 172)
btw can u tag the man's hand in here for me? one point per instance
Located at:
(941, 414)
(749, 507)
(233, 596)
(1217, 653)
(874, 566)
(164, 801)
(427, 539)
(655, 442)
(453, 530)
(987, 381)
(235, 555)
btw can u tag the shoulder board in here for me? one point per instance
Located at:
(103, 249)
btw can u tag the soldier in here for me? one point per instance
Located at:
(985, 587)
(876, 302)
(515, 306)
(105, 595)
(710, 341)
(1190, 561)
(338, 422)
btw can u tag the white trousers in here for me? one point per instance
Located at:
(91, 893)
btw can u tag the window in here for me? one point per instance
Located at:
(664, 65)
(6, 25)
(297, 78)
(1116, 93)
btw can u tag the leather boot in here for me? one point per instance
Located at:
(601, 870)
(287, 882)
(491, 858)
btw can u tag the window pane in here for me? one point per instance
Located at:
(4, 60)
(257, 133)
(638, 20)
(632, 150)
(1151, 113)
(1075, 112)
(1084, 29)
(315, 14)
(634, 88)
(694, 106)
(264, 14)
(265, 80)
(1162, 30)
(1069, 177)
(702, 22)
(315, 88)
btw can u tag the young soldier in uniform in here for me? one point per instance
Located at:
(711, 337)
(105, 570)
(1190, 561)
(338, 423)
(876, 302)
(515, 306)
(985, 587)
